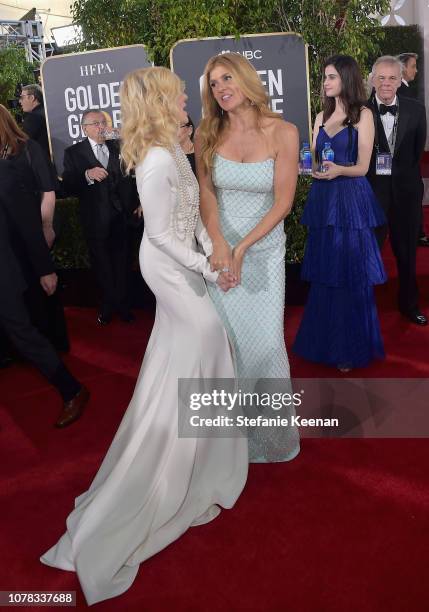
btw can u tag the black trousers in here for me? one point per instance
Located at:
(15, 321)
(6, 349)
(47, 314)
(109, 256)
(403, 227)
(422, 232)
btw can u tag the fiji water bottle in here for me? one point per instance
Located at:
(305, 159)
(327, 155)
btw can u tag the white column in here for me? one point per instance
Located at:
(421, 15)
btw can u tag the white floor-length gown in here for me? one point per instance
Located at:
(153, 485)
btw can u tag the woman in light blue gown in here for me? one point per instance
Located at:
(247, 164)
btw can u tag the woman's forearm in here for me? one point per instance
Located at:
(47, 208)
(265, 225)
(210, 218)
(356, 170)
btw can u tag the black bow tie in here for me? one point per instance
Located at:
(388, 109)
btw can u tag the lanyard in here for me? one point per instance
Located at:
(392, 141)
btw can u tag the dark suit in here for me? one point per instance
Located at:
(34, 125)
(103, 208)
(46, 312)
(406, 92)
(18, 216)
(400, 194)
(411, 92)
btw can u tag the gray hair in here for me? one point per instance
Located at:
(405, 57)
(34, 90)
(388, 59)
(90, 111)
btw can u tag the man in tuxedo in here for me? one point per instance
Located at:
(400, 134)
(92, 172)
(34, 123)
(19, 217)
(409, 71)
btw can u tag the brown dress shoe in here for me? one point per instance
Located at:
(73, 409)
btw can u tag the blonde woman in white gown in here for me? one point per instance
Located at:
(153, 485)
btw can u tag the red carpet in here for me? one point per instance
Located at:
(343, 528)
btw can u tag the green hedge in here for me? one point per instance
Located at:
(70, 249)
(296, 234)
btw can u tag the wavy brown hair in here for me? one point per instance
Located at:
(149, 111)
(353, 95)
(12, 138)
(215, 121)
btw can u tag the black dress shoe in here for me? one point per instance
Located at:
(416, 317)
(423, 241)
(103, 318)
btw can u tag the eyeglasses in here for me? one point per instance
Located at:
(96, 123)
(25, 96)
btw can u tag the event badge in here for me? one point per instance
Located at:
(383, 164)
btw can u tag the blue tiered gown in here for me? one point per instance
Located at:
(253, 312)
(342, 262)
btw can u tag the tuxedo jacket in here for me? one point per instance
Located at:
(19, 220)
(102, 201)
(406, 92)
(404, 187)
(34, 125)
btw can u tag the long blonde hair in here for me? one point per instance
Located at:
(149, 110)
(214, 119)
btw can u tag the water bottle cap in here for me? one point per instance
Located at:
(327, 144)
(305, 144)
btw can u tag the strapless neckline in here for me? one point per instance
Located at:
(233, 161)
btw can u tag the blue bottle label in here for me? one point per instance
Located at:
(305, 159)
(327, 155)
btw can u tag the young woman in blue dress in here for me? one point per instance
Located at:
(342, 261)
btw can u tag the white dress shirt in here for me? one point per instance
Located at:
(94, 146)
(387, 120)
(95, 149)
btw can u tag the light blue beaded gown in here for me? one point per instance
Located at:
(253, 312)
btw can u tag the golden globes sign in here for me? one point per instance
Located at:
(280, 59)
(77, 82)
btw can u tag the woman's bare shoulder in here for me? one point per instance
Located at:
(319, 118)
(365, 112)
(278, 127)
(366, 117)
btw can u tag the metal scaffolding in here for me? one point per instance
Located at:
(26, 34)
